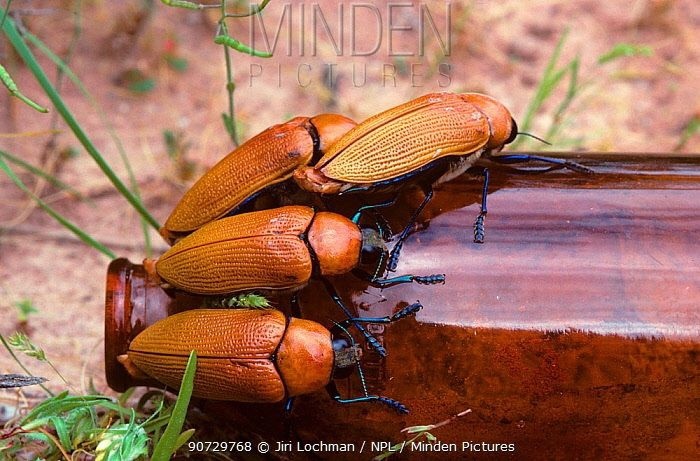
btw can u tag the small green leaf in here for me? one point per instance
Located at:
(183, 4)
(62, 431)
(14, 91)
(123, 442)
(625, 50)
(142, 86)
(249, 300)
(171, 143)
(231, 42)
(176, 63)
(228, 124)
(136, 81)
(25, 307)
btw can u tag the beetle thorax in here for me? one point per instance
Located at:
(305, 357)
(346, 356)
(336, 242)
(500, 120)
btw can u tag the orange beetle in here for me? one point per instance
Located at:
(277, 250)
(404, 141)
(263, 161)
(250, 355)
(427, 141)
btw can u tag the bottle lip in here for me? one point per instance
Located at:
(122, 300)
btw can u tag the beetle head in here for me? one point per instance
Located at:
(346, 353)
(513, 131)
(374, 252)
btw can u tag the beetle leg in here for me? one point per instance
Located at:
(382, 224)
(405, 312)
(333, 389)
(373, 342)
(396, 251)
(356, 217)
(479, 223)
(335, 395)
(383, 227)
(522, 158)
(390, 282)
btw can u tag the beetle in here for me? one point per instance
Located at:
(263, 161)
(427, 141)
(277, 250)
(250, 355)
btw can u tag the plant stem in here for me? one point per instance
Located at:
(230, 84)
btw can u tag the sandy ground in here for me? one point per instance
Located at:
(635, 104)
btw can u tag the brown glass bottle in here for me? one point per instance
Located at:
(573, 332)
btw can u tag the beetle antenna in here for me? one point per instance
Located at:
(380, 263)
(535, 137)
(385, 251)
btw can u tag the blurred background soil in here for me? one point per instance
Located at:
(639, 104)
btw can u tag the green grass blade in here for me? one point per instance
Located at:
(4, 13)
(571, 92)
(691, 129)
(42, 174)
(82, 235)
(550, 79)
(27, 56)
(167, 444)
(183, 438)
(59, 424)
(63, 403)
(625, 50)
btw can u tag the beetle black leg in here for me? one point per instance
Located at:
(335, 395)
(522, 158)
(373, 342)
(479, 223)
(396, 251)
(405, 312)
(381, 223)
(390, 282)
(383, 227)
